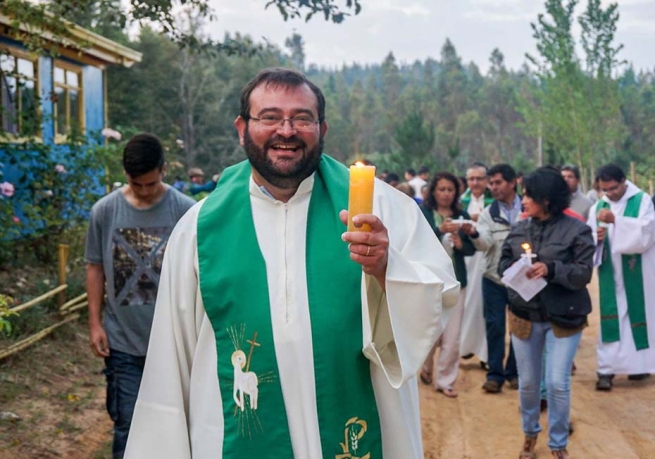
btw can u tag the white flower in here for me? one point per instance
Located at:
(111, 134)
(7, 189)
(60, 168)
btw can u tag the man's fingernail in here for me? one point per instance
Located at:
(343, 236)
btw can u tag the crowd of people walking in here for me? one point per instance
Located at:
(486, 230)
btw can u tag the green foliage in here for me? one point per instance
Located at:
(416, 138)
(108, 16)
(55, 188)
(576, 108)
(6, 302)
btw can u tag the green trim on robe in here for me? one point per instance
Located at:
(234, 289)
(633, 281)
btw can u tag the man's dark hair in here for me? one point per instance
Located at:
(411, 172)
(424, 170)
(505, 170)
(392, 177)
(547, 187)
(432, 202)
(142, 154)
(572, 168)
(280, 77)
(610, 172)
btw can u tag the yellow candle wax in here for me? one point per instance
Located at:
(360, 196)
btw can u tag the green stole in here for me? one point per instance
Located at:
(234, 289)
(634, 287)
(466, 197)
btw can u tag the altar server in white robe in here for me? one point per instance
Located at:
(624, 220)
(246, 359)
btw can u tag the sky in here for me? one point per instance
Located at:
(416, 29)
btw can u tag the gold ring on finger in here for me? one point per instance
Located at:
(368, 251)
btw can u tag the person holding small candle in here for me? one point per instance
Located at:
(442, 210)
(276, 328)
(554, 319)
(624, 222)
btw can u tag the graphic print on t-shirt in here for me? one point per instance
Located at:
(138, 254)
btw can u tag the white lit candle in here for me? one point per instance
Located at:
(528, 255)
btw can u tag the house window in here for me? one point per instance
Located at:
(18, 93)
(68, 100)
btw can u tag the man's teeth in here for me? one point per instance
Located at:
(285, 147)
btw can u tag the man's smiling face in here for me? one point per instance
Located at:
(282, 155)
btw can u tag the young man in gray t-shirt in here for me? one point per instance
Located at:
(127, 235)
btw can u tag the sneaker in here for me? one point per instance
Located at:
(492, 387)
(560, 454)
(513, 383)
(639, 377)
(604, 382)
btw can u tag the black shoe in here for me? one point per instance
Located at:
(492, 387)
(468, 356)
(513, 383)
(639, 377)
(604, 382)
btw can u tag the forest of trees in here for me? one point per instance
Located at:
(575, 101)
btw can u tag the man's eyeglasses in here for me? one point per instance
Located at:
(299, 123)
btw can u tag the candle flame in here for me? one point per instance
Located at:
(525, 246)
(359, 164)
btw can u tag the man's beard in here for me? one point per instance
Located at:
(285, 180)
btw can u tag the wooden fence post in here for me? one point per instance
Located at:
(63, 261)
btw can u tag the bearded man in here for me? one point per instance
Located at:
(276, 333)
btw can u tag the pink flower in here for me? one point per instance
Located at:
(60, 168)
(7, 189)
(111, 134)
(16, 219)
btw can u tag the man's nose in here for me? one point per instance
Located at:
(286, 129)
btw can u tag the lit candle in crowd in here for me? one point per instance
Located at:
(360, 196)
(528, 252)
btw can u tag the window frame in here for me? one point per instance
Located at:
(17, 53)
(67, 67)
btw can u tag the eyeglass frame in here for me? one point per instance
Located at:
(282, 120)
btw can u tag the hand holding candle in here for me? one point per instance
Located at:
(360, 196)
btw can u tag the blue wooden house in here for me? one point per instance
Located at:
(46, 97)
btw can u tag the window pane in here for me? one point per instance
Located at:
(7, 63)
(60, 111)
(59, 75)
(8, 113)
(75, 119)
(72, 79)
(29, 116)
(26, 68)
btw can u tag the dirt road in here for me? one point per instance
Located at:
(64, 417)
(619, 424)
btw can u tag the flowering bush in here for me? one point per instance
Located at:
(47, 189)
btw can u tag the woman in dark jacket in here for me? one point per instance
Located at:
(553, 320)
(442, 211)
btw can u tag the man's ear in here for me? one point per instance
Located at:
(241, 125)
(324, 128)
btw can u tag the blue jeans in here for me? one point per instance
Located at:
(494, 303)
(123, 372)
(559, 358)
